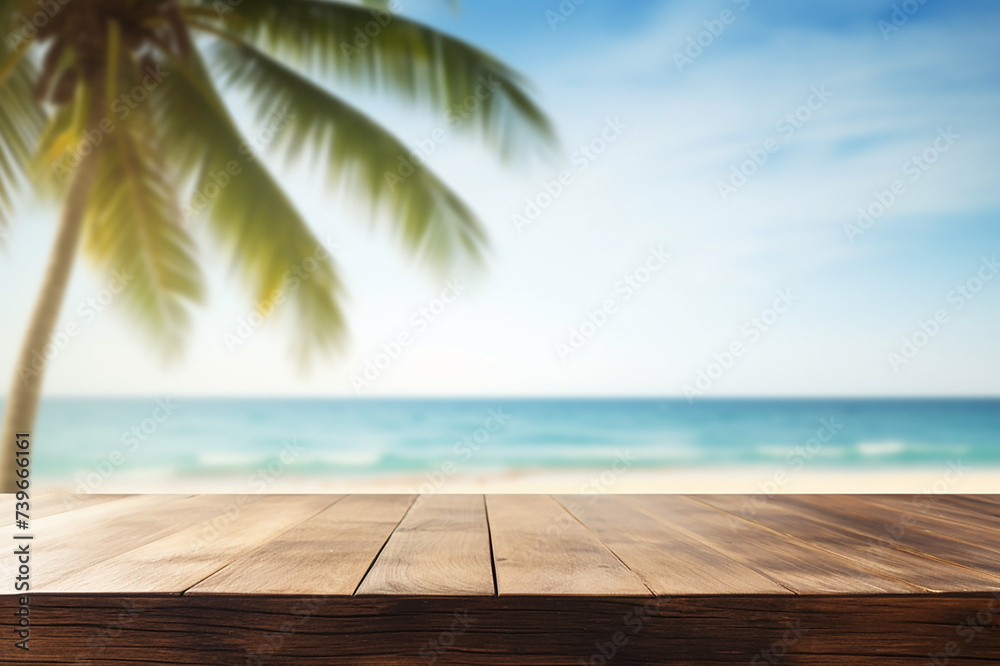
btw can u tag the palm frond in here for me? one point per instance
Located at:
(133, 228)
(358, 155)
(384, 51)
(58, 148)
(268, 241)
(21, 123)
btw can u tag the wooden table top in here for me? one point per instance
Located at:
(512, 545)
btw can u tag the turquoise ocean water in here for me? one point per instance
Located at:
(192, 437)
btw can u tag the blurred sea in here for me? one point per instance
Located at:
(204, 437)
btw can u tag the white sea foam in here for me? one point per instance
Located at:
(880, 448)
(231, 459)
(362, 458)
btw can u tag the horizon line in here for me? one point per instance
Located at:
(609, 397)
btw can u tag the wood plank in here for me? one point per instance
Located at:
(923, 522)
(668, 561)
(797, 566)
(49, 505)
(65, 532)
(176, 562)
(263, 547)
(64, 553)
(65, 523)
(986, 505)
(939, 507)
(982, 497)
(931, 574)
(540, 548)
(441, 547)
(327, 554)
(893, 630)
(940, 546)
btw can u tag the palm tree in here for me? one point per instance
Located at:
(115, 106)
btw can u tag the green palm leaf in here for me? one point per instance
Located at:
(402, 57)
(21, 122)
(133, 227)
(269, 243)
(432, 220)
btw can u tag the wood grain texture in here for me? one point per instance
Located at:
(49, 505)
(903, 533)
(921, 571)
(987, 505)
(65, 533)
(540, 548)
(938, 507)
(269, 579)
(117, 533)
(914, 518)
(176, 562)
(85, 515)
(668, 561)
(795, 565)
(327, 554)
(871, 630)
(441, 547)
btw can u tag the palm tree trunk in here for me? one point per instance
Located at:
(25, 390)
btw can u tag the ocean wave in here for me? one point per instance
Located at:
(230, 459)
(343, 458)
(876, 449)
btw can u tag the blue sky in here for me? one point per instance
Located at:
(886, 96)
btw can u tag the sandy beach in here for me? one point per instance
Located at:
(953, 478)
